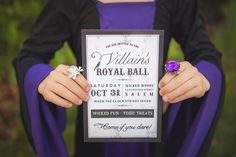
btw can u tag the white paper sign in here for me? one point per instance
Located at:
(123, 69)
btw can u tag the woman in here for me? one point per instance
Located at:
(196, 92)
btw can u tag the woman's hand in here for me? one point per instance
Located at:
(63, 91)
(188, 83)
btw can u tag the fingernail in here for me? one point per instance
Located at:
(70, 105)
(87, 88)
(165, 98)
(159, 85)
(87, 98)
(160, 92)
(79, 102)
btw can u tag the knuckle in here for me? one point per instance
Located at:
(198, 78)
(60, 66)
(194, 70)
(49, 85)
(46, 95)
(199, 90)
(186, 63)
(52, 74)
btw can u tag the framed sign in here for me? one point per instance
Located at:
(123, 68)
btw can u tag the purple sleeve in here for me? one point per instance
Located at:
(207, 112)
(199, 118)
(47, 120)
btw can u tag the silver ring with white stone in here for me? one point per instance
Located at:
(74, 71)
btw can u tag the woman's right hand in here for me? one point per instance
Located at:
(63, 91)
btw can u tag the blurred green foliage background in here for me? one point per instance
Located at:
(16, 20)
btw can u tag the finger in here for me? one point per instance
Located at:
(62, 68)
(55, 99)
(83, 83)
(187, 86)
(70, 85)
(178, 80)
(165, 107)
(169, 76)
(63, 92)
(80, 79)
(206, 85)
(185, 96)
(166, 79)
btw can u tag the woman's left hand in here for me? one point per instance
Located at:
(188, 83)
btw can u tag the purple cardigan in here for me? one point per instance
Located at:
(47, 126)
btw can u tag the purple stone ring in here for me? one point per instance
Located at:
(172, 66)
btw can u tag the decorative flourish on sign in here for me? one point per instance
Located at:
(124, 58)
